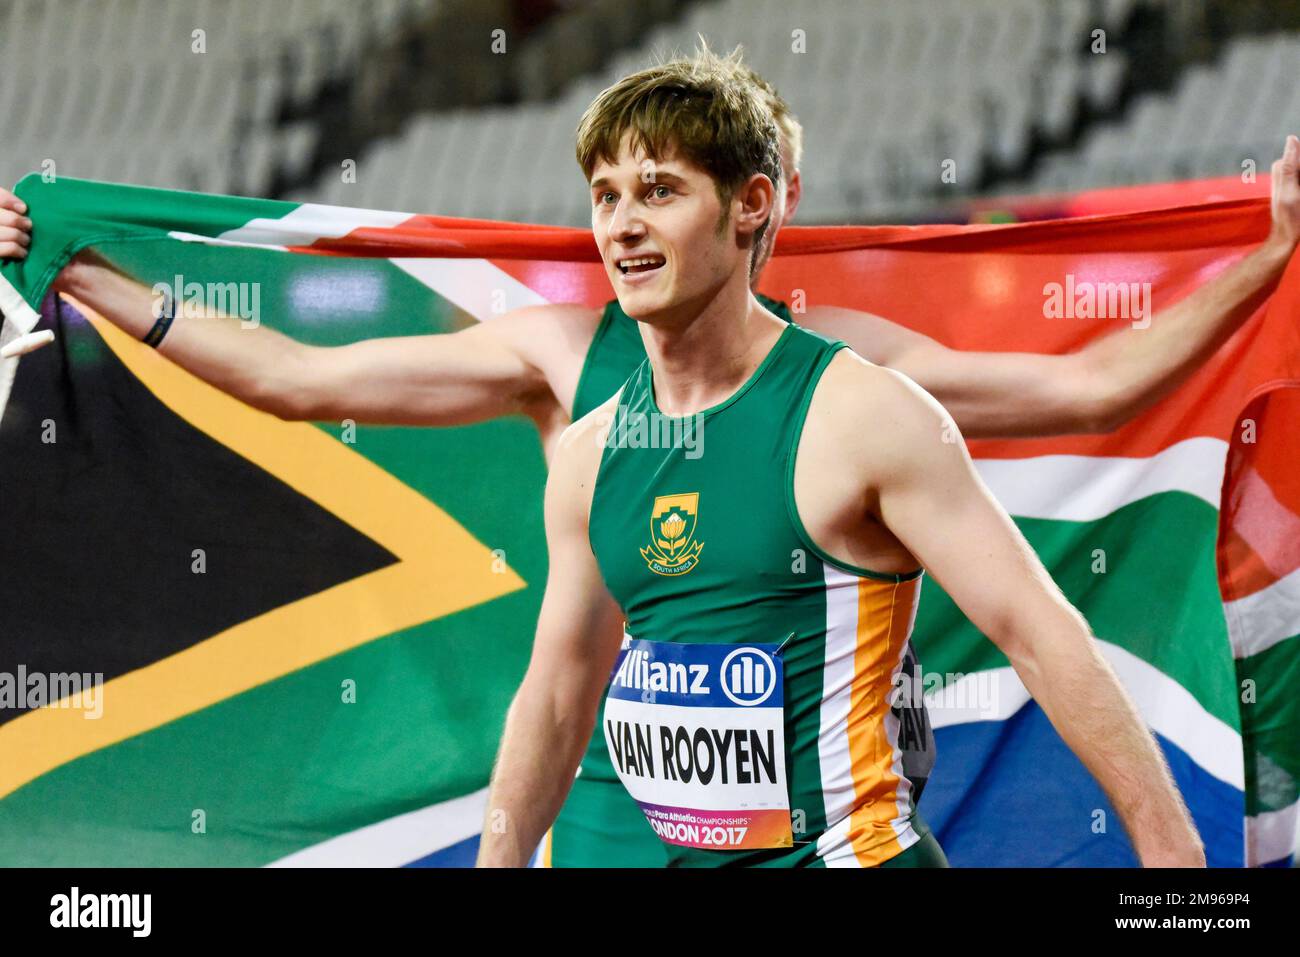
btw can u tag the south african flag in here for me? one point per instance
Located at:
(308, 633)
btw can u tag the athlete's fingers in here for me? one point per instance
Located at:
(11, 234)
(1287, 174)
(12, 251)
(18, 221)
(1285, 167)
(9, 201)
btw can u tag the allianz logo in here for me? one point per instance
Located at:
(747, 676)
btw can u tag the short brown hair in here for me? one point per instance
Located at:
(702, 106)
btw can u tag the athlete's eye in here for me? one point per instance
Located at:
(655, 191)
(600, 198)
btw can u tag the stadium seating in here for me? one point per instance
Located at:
(978, 82)
(168, 106)
(1006, 95)
(1221, 117)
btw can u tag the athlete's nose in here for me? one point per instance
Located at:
(625, 226)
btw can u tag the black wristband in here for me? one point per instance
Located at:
(155, 335)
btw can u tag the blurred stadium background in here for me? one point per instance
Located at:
(467, 107)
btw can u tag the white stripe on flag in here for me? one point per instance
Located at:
(1273, 835)
(397, 840)
(1268, 617)
(1166, 706)
(16, 310)
(475, 285)
(310, 222)
(197, 238)
(1084, 488)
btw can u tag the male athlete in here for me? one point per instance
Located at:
(749, 714)
(554, 363)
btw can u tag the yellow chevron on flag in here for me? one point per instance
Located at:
(442, 569)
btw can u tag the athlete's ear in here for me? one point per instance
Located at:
(793, 193)
(754, 198)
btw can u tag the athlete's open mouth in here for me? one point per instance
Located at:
(635, 264)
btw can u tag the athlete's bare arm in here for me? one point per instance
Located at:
(579, 631)
(906, 488)
(1109, 381)
(526, 361)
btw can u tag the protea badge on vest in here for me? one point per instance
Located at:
(673, 549)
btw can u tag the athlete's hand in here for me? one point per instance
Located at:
(1286, 197)
(15, 227)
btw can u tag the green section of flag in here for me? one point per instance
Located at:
(74, 214)
(1270, 737)
(289, 764)
(429, 700)
(1158, 597)
(489, 477)
(319, 300)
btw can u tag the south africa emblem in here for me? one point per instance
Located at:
(673, 549)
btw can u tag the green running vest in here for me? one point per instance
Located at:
(615, 352)
(700, 544)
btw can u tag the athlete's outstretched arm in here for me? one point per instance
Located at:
(579, 632)
(1109, 381)
(926, 491)
(522, 362)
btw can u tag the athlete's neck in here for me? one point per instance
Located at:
(702, 361)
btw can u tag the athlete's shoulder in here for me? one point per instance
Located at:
(875, 411)
(850, 373)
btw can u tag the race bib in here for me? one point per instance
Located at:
(697, 736)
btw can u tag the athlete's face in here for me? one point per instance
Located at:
(665, 238)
